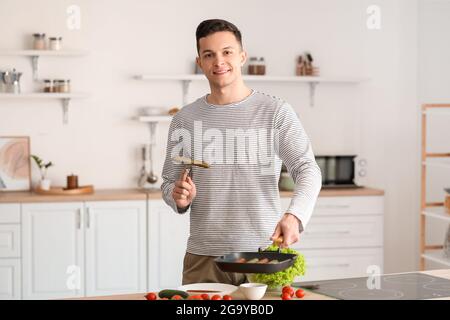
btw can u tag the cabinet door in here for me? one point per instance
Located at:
(168, 234)
(52, 239)
(10, 279)
(115, 247)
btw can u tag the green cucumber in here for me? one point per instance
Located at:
(169, 293)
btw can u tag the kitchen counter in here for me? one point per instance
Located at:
(137, 194)
(444, 273)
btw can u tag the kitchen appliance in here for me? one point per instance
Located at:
(337, 171)
(447, 200)
(10, 81)
(403, 286)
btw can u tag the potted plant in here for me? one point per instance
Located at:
(44, 183)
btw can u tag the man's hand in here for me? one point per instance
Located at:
(288, 228)
(184, 191)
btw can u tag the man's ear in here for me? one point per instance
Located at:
(243, 57)
(197, 60)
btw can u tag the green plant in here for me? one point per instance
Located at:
(42, 166)
(284, 277)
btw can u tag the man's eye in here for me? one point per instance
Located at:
(228, 52)
(208, 55)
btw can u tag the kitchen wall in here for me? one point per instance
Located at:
(378, 119)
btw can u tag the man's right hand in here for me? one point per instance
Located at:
(184, 191)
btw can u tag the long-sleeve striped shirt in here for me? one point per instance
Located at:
(237, 206)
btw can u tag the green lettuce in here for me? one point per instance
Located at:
(284, 277)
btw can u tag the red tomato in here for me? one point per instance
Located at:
(177, 297)
(150, 296)
(205, 296)
(289, 290)
(216, 297)
(227, 297)
(300, 293)
(286, 296)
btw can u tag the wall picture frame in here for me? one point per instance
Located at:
(15, 164)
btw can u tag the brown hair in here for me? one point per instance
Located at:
(207, 27)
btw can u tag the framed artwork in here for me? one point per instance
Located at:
(15, 165)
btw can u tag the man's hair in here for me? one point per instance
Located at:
(207, 27)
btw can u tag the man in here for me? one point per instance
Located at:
(234, 204)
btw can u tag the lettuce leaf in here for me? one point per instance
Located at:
(284, 277)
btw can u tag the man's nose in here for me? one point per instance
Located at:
(219, 60)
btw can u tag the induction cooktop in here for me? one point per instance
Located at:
(408, 286)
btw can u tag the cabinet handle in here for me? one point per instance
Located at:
(88, 217)
(78, 219)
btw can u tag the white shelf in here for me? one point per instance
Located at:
(64, 97)
(441, 163)
(436, 256)
(161, 118)
(35, 54)
(186, 79)
(437, 212)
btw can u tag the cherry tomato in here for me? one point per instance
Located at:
(216, 297)
(177, 297)
(151, 296)
(300, 293)
(205, 296)
(227, 297)
(286, 296)
(289, 290)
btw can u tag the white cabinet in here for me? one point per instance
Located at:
(343, 238)
(10, 279)
(115, 247)
(53, 250)
(78, 249)
(168, 234)
(10, 252)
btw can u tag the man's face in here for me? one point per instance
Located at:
(221, 58)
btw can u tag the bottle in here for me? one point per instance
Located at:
(300, 69)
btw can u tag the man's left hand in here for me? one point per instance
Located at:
(288, 228)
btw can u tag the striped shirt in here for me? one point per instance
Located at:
(237, 205)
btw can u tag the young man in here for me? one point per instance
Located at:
(245, 136)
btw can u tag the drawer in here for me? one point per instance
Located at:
(349, 206)
(9, 240)
(336, 264)
(342, 232)
(10, 213)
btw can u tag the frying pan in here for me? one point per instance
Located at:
(227, 263)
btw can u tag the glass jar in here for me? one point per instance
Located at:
(261, 67)
(48, 85)
(253, 66)
(62, 86)
(55, 43)
(39, 41)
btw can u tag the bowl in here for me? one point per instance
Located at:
(253, 291)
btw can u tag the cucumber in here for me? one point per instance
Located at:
(169, 293)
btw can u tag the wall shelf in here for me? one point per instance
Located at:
(161, 118)
(186, 80)
(64, 97)
(36, 54)
(433, 210)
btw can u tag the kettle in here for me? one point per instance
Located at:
(10, 81)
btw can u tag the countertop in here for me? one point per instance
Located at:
(444, 273)
(138, 194)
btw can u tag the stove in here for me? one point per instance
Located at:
(407, 286)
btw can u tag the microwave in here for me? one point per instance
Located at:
(337, 171)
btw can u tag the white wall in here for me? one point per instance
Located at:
(377, 120)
